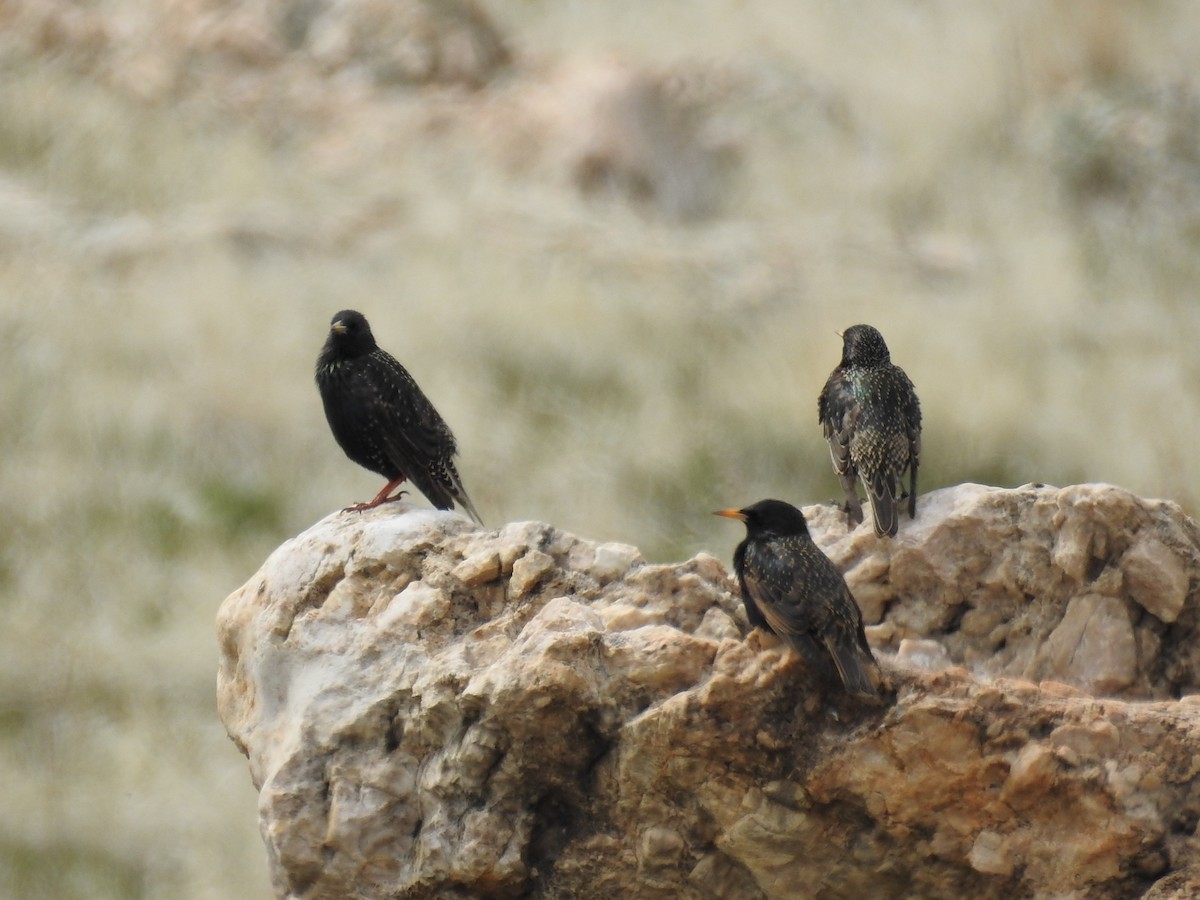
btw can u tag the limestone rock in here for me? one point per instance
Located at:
(1088, 585)
(431, 710)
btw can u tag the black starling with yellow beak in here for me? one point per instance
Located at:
(793, 589)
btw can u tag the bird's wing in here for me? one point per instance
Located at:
(753, 613)
(913, 429)
(416, 438)
(414, 434)
(911, 408)
(838, 411)
(773, 581)
(790, 604)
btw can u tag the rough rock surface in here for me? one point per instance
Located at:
(432, 710)
(1089, 584)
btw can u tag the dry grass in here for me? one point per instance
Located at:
(167, 273)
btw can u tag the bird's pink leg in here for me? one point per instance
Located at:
(380, 498)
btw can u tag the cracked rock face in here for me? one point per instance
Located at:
(432, 710)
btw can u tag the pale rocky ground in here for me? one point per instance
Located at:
(431, 710)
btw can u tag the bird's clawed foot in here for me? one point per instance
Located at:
(381, 498)
(359, 507)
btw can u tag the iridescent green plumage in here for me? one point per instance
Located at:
(872, 420)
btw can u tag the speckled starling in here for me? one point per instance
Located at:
(793, 590)
(382, 420)
(872, 421)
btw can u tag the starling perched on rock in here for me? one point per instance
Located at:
(872, 421)
(382, 420)
(792, 589)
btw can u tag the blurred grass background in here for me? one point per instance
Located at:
(1009, 191)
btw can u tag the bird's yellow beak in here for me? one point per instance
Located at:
(338, 327)
(731, 514)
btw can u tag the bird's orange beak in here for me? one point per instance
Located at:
(731, 514)
(338, 327)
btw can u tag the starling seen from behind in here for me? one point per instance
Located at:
(872, 420)
(793, 589)
(382, 420)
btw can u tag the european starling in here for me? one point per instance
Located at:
(872, 421)
(793, 590)
(382, 420)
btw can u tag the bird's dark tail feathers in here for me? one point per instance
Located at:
(881, 488)
(444, 489)
(460, 494)
(858, 670)
(451, 491)
(465, 502)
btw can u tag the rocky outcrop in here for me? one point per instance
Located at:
(1090, 585)
(432, 710)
